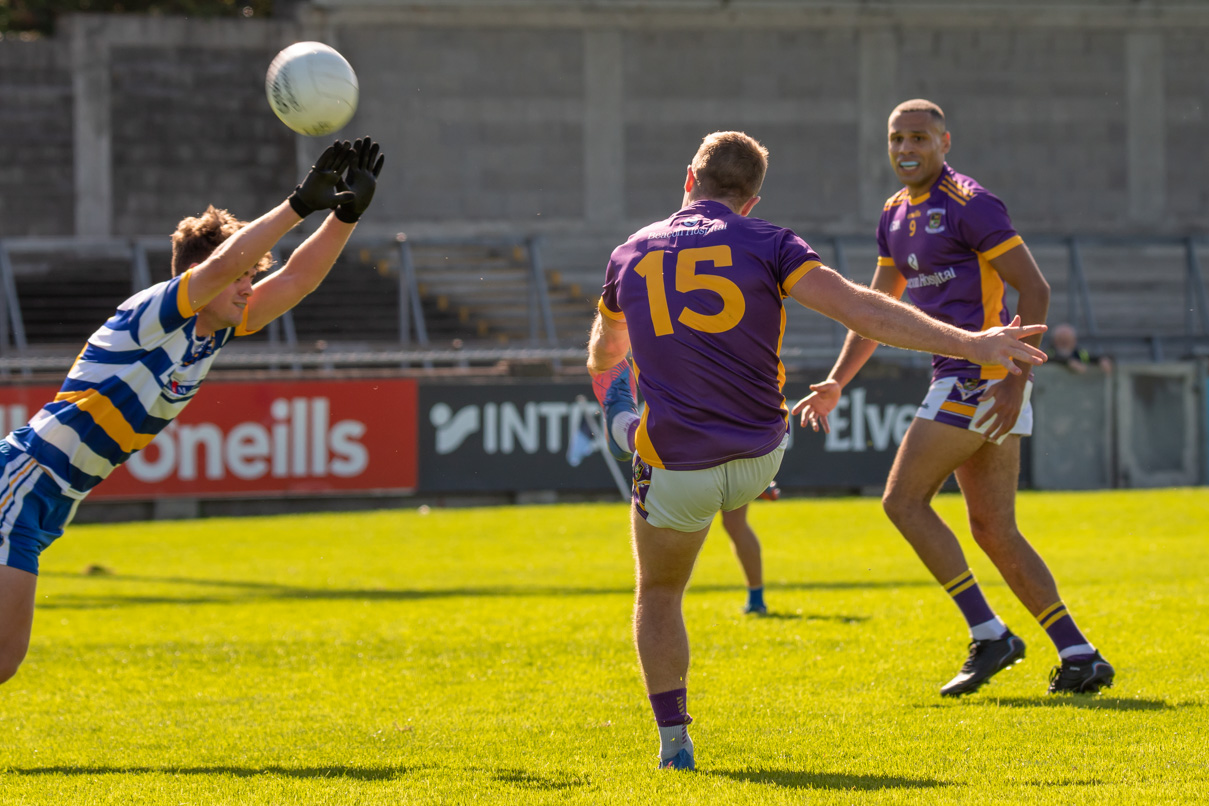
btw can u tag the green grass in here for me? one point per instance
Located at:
(485, 656)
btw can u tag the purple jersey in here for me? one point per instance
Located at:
(702, 294)
(943, 243)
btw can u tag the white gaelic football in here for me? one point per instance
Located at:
(312, 88)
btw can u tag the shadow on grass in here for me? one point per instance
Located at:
(242, 591)
(1086, 701)
(358, 773)
(516, 777)
(776, 616)
(799, 779)
(528, 780)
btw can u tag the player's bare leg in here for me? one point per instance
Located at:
(929, 453)
(747, 550)
(664, 561)
(17, 596)
(988, 482)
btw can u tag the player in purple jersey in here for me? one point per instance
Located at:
(141, 368)
(949, 244)
(699, 299)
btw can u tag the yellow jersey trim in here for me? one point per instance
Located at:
(1006, 246)
(797, 274)
(183, 305)
(616, 316)
(242, 328)
(895, 200)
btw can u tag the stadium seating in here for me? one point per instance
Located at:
(1134, 298)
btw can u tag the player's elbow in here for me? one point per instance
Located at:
(1037, 289)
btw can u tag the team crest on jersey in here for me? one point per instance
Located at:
(968, 387)
(936, 221)
(642, 483)
(197, 350)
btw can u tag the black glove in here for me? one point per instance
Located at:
(320, 189)
(362, 179)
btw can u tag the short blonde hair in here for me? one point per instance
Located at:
(730, 165)
(197, 237)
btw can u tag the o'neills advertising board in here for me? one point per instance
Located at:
(240, 438)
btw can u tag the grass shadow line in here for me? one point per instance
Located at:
(805, 779)
(529, 780)
(357, 773)
(1085, 701)
(244, 591)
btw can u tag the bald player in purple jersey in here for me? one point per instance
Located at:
(699, 298)
(950, 245)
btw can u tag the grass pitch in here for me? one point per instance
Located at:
(485, 656)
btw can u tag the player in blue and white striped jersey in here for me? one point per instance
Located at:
(141, 368)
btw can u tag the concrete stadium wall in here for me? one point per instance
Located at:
(576, 119)
(36, 182)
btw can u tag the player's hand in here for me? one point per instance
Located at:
(815, 407)
(320, 188)
(362, 179)
(1002, 346)
(1007, 398)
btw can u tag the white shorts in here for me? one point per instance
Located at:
(688, 500)
(954, 401)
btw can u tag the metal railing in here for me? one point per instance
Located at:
(284, 349)
(414, 348)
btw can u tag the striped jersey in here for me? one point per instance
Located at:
(134, 376)
(702, 295)
(942, 242)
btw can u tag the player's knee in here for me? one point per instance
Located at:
(993, 535)
(895, 504)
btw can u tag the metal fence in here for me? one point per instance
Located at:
(1145, 298)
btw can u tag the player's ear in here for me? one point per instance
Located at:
(746, 209)
(690, 181)
(945, 143)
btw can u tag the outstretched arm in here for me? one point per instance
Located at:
(889, 321)
(310, 263)
(242, 251)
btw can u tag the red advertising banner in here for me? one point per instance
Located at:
(251, 438)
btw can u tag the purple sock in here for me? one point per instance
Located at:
(967, 595)
(1061, 628)
(671, 707)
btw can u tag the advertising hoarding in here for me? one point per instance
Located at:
(259, 438)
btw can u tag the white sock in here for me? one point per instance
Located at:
(991, 630)
(672, 739)
(1077, 649)
(619, 429)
